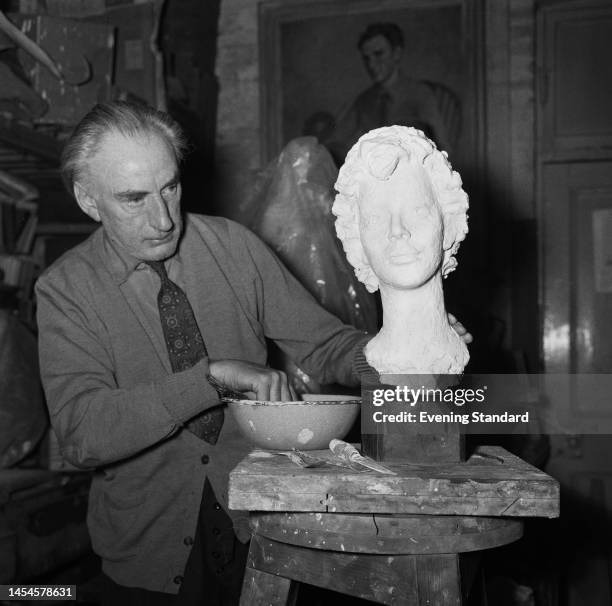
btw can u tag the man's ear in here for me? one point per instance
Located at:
(86, 203)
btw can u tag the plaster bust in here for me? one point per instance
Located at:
(401, 215)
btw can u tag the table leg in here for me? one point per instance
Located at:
(264, 589)
(438, 579)
(406, 580)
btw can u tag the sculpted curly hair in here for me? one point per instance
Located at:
(375, 157)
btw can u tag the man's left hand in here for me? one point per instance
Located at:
(460, 329)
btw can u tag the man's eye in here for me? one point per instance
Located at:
(135, 200)
(171, 189)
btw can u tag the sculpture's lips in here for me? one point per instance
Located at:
(402, 258)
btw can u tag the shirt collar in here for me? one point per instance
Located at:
(121, 264)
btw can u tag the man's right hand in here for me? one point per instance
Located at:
(255, 381)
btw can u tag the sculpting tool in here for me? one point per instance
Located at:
(349, 453)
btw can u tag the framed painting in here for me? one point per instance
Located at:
(315, 67)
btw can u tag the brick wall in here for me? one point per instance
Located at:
(238, 150)
(508, 142)
(509, 39)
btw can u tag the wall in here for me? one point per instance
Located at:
(508, 142)
(188, 39)
(510, 165)
(238, 149)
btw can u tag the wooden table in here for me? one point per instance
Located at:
(390, 539)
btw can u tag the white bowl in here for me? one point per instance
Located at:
(306, 425)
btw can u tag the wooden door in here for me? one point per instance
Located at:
(575, 218)
(577, 238)
(575, 79)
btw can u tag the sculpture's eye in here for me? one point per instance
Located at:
(370, 221)
(422, 211)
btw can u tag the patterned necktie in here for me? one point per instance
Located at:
(185, 345)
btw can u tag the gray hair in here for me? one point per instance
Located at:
(365, 164)
(123, 117)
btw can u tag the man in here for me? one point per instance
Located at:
(393, 98)
(120, 319)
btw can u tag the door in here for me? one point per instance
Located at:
(575, 218)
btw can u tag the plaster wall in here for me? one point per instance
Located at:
(508, 139)
(509, 39)
(238, 155)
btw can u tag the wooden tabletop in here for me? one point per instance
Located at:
(492, 482)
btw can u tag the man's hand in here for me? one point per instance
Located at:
(460, 329)
(255, 381)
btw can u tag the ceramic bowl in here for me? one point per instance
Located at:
(305, 425)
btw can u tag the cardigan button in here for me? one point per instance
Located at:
(188, 541)
(178, 579)
(205, 459)
(217, 506)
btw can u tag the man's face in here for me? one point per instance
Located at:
(132, 186)
(401, 228)
(380, 59)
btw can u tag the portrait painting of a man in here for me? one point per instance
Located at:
(393, 97)
(346, 68)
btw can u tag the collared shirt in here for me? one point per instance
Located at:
(116, 405)
(143, 282)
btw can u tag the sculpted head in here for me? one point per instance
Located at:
(401, 210)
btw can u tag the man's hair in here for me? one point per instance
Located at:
(390, 31)
(126, 118)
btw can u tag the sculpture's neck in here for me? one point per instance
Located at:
(416, 337)
(416, 311)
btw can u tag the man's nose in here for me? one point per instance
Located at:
(159, 215)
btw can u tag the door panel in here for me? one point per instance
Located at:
(575, 226)
(576, 77)
(577, 254)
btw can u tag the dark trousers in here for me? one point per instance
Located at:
(214, 571)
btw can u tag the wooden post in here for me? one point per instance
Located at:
(261, 588)
(406, 442)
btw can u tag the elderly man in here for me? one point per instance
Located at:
(392, 98)
(141, 326)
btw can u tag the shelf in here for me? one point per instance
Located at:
(30, 140)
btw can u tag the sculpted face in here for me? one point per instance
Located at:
(401, 228)
(380, 58)
(132, 186)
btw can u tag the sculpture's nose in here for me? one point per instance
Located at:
(398, 228)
